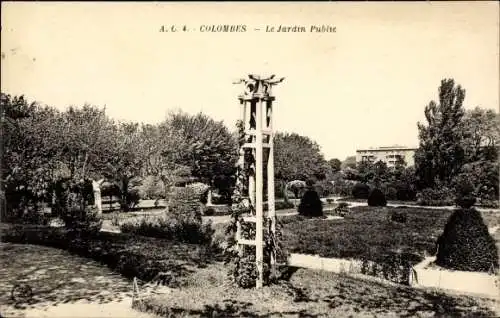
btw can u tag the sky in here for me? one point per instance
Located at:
(366, 85)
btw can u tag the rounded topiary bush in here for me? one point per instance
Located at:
(377, 198)
(466, 244)
(310, 204)
(360, 191)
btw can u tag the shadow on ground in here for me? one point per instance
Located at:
(310, 294)
(56, 277)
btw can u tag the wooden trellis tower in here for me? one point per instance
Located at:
(256, 115)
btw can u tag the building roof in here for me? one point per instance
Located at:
(388, 148)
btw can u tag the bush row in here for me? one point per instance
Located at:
(170, 228)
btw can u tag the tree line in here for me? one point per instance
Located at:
(41, 145)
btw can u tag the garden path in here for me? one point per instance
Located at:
(63, 285)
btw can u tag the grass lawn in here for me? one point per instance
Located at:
(367, 233)
(208, 293)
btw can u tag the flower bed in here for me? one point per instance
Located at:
(367, 234)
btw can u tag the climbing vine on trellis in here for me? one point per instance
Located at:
(243, 270)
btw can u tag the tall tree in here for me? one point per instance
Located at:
(209, 149)
(349, 162)
(441, 153)
(335, 165)
(481, 130)
(297, 158)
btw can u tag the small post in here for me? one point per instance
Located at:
(259, 231)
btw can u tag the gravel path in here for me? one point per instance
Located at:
(64, 285)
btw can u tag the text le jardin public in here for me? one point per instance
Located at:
(232, 28)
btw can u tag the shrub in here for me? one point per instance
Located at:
(360, 191)
(465, 194)
(151, 188)
(466, 244)
(75, 210)
(115, 219)
(377, 198)
(209, 211)
(465, 202)
(398, 216)
(495, 204)
(310, 204)
(185, 205)
(324, 188)
(243, 270)
(171, 228)
(391, 193)
(342, 209)
(439, 196)
(133, 198)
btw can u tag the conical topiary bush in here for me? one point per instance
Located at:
(377, 198)
(466, 244)
(310, 204)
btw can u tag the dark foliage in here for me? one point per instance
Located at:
(438, 196)
(73, 204)
(398, 216)
(243, 270)
(360, 191)
(466, 244)
(377, 198)
(310, 204)
(182, 223)
(465, 202)
(342, 209)
(172, 229)
(209, 211)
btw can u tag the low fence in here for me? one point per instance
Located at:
(418, 276)
(424, 275)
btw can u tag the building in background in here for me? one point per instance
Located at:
(389, 155)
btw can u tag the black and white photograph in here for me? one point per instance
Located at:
(250, 159)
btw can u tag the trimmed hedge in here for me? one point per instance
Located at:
(466, 244)
(441, 196)
(170, 228)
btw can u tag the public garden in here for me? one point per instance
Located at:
(171, 201)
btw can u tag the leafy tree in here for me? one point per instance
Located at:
(349, 162)
(481, 131)
(161, 153)
(441, 153)
(297, 157)
(125, 162)
(335, 165)
(209, 149)
(88, 141)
